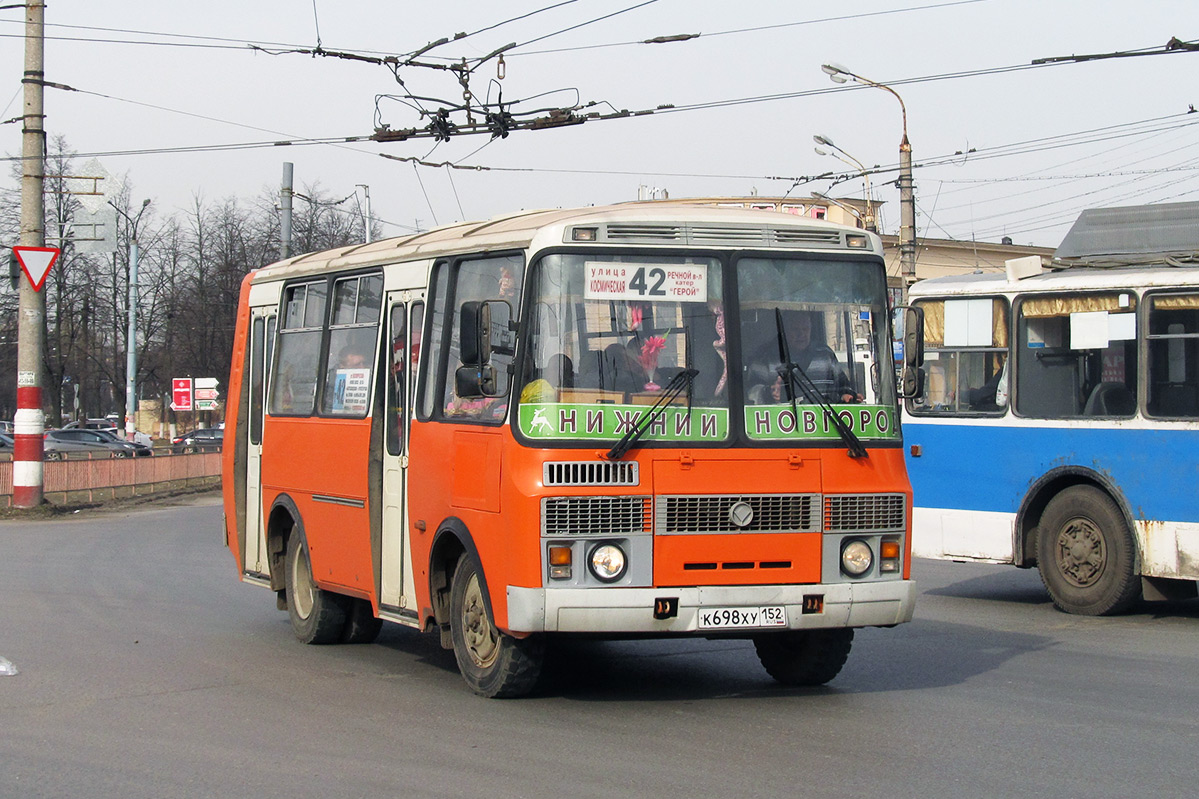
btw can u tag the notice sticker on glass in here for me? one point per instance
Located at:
(646, 282)
(1088, 330)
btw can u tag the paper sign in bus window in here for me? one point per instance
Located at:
(968, 323)
(351, 390)
(606, 280)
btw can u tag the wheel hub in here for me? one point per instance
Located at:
(481, 640)
(1081, 553)
(302, 587)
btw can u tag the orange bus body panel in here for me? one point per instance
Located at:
(304, 463)
(229, 472)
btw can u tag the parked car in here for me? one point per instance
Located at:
(109, 426)
(204, 439)
(6, 427)
(96, 442)
(6, 441)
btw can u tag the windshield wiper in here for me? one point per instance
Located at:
(793, 376)
(680, 382)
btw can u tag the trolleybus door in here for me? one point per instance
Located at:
(262, 338)
(404, 317)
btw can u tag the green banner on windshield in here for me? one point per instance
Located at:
(546, 420)
(606, 423)
(780, 423)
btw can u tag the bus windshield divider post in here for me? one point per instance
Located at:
(795, 377)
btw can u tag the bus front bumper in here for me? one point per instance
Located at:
(631, 610)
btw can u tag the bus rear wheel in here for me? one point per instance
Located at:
(807, 657)
(493, 663)
(1086, 554)
(317, 616)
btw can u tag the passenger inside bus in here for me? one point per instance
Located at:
(809, 352)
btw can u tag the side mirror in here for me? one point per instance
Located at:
(474, 333)
(475, 381)
(913, 382)
(913, 336)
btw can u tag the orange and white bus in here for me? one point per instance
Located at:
(636, 420)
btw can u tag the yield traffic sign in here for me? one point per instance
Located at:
(36, 263)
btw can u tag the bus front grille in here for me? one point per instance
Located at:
(595, 516)
(859, 513)
(590, 473)
(762, 513)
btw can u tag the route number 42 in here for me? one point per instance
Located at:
(653, 287)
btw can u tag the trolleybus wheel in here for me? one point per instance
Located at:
(1086, 554)
(808, 657)
(493, 663)
(317, 616)
(362, 626)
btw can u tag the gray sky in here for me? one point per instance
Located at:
(1047, 141)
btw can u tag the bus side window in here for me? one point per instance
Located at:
(1173, 369)
(294, 378)
(1076, 355)
(353, 331)
(966, 369)
(480, 279)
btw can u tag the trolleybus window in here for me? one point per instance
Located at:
(1076, 355)
(1173, 338)
(966, 352)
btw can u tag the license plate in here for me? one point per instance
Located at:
(736, 618)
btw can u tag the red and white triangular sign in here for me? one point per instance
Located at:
(36, 262)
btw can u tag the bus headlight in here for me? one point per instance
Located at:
(856, 557)
(607, 563)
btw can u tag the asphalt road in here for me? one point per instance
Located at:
(148, 670)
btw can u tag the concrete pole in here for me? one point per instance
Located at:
(131, 342)
(30, 423)
(907, 216)
(367, 191)
(285, 193)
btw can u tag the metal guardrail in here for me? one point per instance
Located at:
(86, 479)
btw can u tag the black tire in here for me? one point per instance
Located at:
(362, 626)
(52, 456)
(317, 616)
(494, 664)
(808, 657)
(1086, 553)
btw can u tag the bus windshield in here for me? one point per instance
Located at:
(607, 333)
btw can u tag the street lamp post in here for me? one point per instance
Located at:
(841, 155)
(131, 342)
(907, 200)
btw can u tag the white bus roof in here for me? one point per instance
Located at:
(631, 224)
(1074, 279)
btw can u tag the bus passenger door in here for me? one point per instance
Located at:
(262, 337)
(404, 320)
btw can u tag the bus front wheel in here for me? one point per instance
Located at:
(317, 616)
(492, 663)
(1086, 553)
(806, 657)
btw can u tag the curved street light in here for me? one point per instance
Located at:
(131, 343)
(907, 201)
(843, 156)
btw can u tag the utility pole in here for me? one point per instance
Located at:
(367, 191)
(285, 194)
(30, 423)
